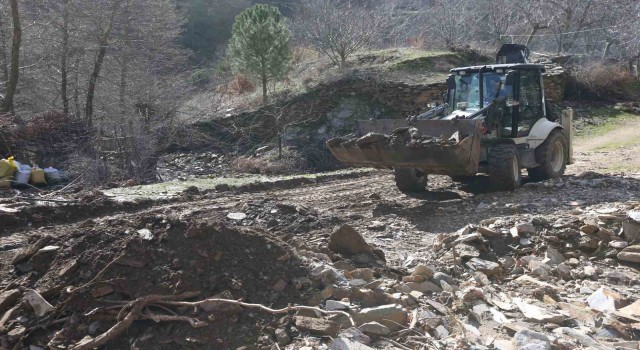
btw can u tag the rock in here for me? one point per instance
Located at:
(537, 314)
(282, 337)
(573, 262)
(618, 244)
(530, 340)
(145, 234)
(383, 314)
(441, 276)
(564, 271)
(470, 294)
(236, 216)
(553, 256)
(589, 229)
(422, 287)
(317, 326)
(333, 305)
(363, 274)
(630, 253)
(280, 286)
(99, 292)
(356, 335)
(525, 228)
(590, 272)
(345, 240)
(583, 339)
(375, 328)
(631, 230)
(347, 344)
(94, 327)
(466, 251)
(40, 306)
(16, 334)
(604, 300)
(69, 268)
(632, 310)
(421, 270)
(489, 268)
(29, 251)
(441, 332)
(589, 242)
(8, 299)
(540, 269)
(487, 232)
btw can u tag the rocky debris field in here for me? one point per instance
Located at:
(185, 166)
(344, 264)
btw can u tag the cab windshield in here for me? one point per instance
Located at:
(467, 93)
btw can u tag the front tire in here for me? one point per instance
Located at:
(410, 180)
(552, 157)
(504, 168)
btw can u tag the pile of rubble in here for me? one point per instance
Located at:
(185, 166)
(190, 279)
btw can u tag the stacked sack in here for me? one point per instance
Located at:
(8, 168)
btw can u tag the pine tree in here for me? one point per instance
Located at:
(259, 44)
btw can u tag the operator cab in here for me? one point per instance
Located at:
(516, 89)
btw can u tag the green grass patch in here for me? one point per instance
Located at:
(602, 120)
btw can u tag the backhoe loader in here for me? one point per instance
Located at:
(492, 120)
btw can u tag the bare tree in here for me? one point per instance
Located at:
(7, 101)
(451, 22)
(338, 29)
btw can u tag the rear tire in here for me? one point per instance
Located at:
(410, 180)
(552, 157)
(504, 168)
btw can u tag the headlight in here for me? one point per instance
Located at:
(462, 105)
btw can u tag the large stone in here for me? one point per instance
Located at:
(391, 315)
(317, 326)
(553, 256)
(40, 306)
(345, 240)
(489, 268)
(375, 328)
(631, 230)
(423, 287)
(632, 310)
(537, 314)
(8, 299)
(29, 251)
(530, 340)
(347, 344)
(422, 270)
(630, 253)
(604, 300)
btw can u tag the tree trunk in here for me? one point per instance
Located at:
(76, 85)
(103, 42)
(264, 86)
(64, 59)
(607, 49)
(534, 30)
(7, 102)
(3, 52)
(124, 68)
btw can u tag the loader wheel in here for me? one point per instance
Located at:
(504, 169)
(410, 180)
(552, 157)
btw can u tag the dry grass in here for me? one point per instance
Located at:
(603, 81)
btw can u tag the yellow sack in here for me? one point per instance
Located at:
(37, 177)
(7, 167)
(5, 182)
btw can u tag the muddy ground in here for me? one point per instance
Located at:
(91, 254)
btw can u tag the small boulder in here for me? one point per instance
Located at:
(346, 240)
(630, 253)
(317, 326)
(530, 340)
(375, 328)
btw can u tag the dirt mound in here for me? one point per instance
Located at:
(90, 273)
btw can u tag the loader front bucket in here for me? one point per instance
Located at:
(448, 147)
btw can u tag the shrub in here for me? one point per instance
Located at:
(602, 81)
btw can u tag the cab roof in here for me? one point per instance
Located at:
(493, 67)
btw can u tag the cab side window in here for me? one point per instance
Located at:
(531, 108)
